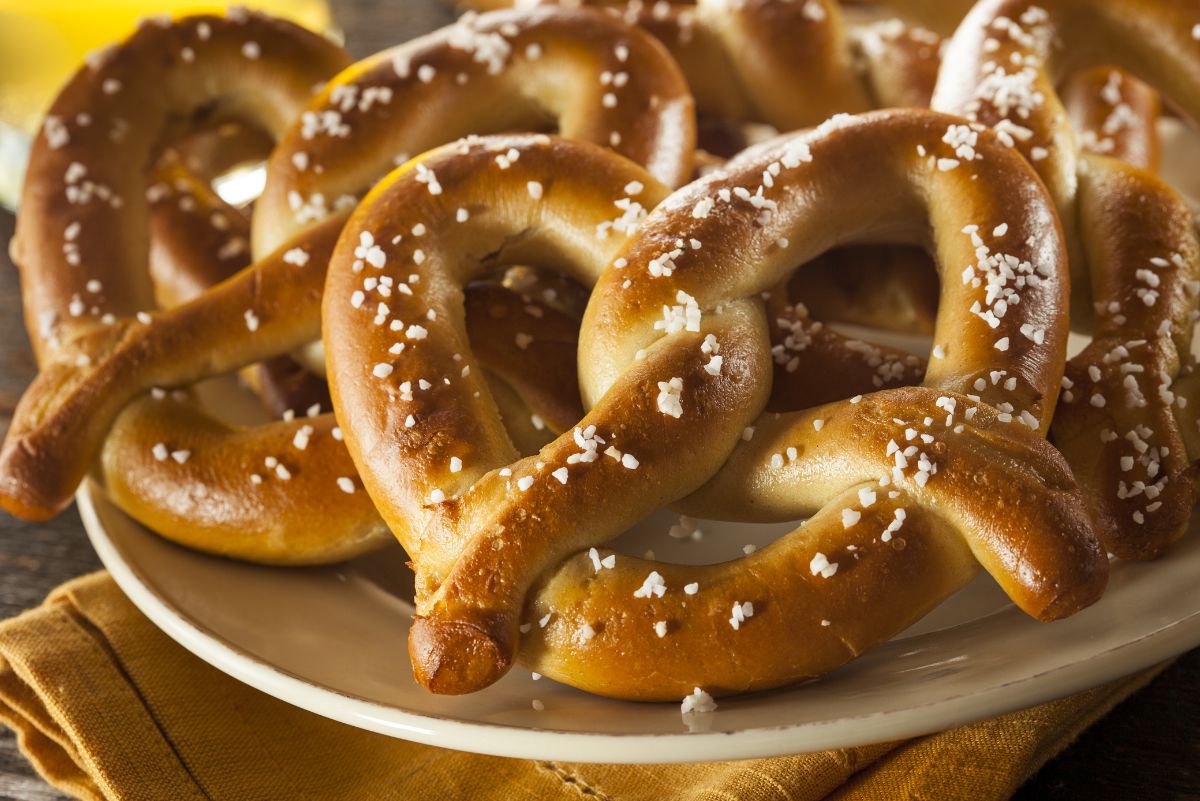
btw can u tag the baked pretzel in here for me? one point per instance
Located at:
(674, 343)
(82, 197)
(221, 498)
(101, 365)
(794, 64)
(1122, 422)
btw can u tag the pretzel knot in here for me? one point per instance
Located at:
(1126, 422)
(82, 244)
(909, 490)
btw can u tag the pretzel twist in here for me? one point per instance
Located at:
(215, 502)
(218, 487)
(1135, 255)
(273, 307)
(489, 534)
(82, 199)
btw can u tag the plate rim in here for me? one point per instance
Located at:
(524, 742)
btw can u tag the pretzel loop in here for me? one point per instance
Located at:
(788, 65)
(600, 80)
(82, 234)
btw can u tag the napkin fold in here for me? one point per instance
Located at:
(108, 708)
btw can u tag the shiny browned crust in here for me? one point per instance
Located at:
(215, 488)
(82, 236)
(1115, 115)
(1005, 500)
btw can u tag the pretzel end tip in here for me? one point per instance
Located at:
(453, 658)
(24, 498)
(26, 509)
(1081, 585)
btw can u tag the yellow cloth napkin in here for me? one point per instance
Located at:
(107, 707)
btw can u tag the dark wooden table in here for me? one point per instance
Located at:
(1148, 749)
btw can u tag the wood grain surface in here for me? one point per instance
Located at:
(1148, 749)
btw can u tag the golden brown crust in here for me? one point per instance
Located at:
(284, 493)
(886, 576)
(77, 401)
(253, 493)
(802, 348)
(1115, 115)
(131, 99)
(1122, 423)
(792, 65)
(890, 287)
(82, 235)
(899, 61)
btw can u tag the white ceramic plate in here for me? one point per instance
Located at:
(333, 641)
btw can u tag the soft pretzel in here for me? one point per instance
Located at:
(217, 487)
(675, 366)
(273, 306)
(81, 196)
(895, 288)
(1135, 256)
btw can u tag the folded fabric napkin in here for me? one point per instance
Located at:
(107, 707)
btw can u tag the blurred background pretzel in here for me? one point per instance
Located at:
(1127, 419)
(791, 65)
(675, 363)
